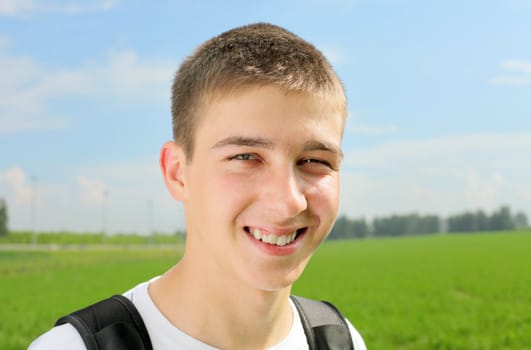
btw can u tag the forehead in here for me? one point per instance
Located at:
(268, 106)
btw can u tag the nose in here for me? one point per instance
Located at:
(284, 194)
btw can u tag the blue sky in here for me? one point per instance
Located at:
(439, 103)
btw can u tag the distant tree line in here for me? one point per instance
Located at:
(3, 218)
(398, 225)
(415, 224)
(501, 219)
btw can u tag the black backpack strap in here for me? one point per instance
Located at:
(113, 323)
(324, 325)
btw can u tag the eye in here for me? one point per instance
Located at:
(318, 165)
(243, 156)
(308, 161)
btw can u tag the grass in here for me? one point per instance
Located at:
(433, 292)
(37, 286)
(66, 239)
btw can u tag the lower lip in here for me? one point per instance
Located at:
(275, 250)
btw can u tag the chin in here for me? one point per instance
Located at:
(277, 281)
(274, 287)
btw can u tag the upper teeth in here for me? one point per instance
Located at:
(273, 239)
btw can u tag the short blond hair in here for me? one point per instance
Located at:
(253, 55)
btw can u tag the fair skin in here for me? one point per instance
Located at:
(265, 167)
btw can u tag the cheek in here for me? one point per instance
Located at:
(324, 197)
(228, 191)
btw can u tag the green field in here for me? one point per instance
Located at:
(433, 292)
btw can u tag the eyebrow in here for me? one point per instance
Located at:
(314, 145)
(244, 141)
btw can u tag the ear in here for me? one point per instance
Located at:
(172, 164)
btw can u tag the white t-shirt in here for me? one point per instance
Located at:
(164, 335)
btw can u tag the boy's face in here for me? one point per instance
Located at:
(261, 192)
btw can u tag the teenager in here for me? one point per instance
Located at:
(258, 117)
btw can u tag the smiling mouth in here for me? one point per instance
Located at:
(272, 239)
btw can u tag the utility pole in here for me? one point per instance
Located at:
(104, 203)
(151, 233)
(34, 181)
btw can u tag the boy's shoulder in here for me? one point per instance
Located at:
(59, 337)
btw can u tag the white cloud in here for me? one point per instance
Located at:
(26, 87)
(17, 72)
(123, 190)
(28, 8)
(521, 73)
(124, 74)
(441, 175)
(15, 183)
(111, 196)
(15, 7)
(517, 65)
(481, 149)
(83, 6)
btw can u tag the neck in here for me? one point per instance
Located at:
(223, 313)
